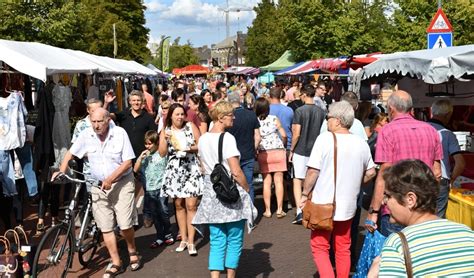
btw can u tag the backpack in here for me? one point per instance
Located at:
(223, 183)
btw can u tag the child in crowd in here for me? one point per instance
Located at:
(152, 166)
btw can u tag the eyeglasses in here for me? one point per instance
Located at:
(386, 196)
(329, 117)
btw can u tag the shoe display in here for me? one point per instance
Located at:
(182, 246)
(192, 250)
(298, 219)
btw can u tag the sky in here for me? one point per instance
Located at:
(202, 22)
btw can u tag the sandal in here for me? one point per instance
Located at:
(192, 250)
(109, 273)
(182, 246)
(135, 264)
(267, 215)
(281, 214)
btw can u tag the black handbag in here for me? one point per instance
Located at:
(223, 183)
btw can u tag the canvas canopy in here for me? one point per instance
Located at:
(191, 69)
(285, 60)
(40, 60)
(433, 66)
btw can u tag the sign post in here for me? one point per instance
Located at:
(440, 31)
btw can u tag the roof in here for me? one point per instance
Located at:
(285, 60)
(433, 66)
(40, 60)
(227, 42)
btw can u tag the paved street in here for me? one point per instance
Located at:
(276, 248)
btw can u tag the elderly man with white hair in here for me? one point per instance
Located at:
(110, 155)
(441, 112)
(353, 164)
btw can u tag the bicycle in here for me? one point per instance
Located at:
(60, 242)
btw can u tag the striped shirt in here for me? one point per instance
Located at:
(438, 248)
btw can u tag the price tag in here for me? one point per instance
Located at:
(25, 248)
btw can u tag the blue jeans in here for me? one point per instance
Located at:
(26, 160)
(387, 228)
(226, 242)
(7, 174)
(160, 213)
(442, 202)
(247, 168)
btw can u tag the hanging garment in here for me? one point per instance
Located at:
(7, 174)
(119, 94)
(93, 92)
(12, 122)
(62, 99)
(43, 156)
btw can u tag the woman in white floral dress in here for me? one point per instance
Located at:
(183, 178)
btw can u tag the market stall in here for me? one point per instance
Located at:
(285, 60)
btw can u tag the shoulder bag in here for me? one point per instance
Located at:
(406, 255)
(223, 183)
(320, 216)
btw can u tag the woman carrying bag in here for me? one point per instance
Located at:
(226, 220)
(339, 161)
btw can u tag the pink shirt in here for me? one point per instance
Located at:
(407, 138)
(150, 102)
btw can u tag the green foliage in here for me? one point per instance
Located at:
(313, 29)
(265, 39)
(81, 25)
(180, 55)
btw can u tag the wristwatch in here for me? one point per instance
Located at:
(372, 211)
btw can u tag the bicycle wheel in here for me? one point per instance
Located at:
(89, 245)
(54, 254)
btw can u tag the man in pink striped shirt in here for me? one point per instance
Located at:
(402, 138)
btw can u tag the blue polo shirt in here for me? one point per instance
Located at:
(285, 115)
(243, 129)
(450, 146)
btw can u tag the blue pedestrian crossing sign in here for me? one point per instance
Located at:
(440, 40)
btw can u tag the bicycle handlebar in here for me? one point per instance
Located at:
(94, 183)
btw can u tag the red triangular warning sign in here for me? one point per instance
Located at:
(440, 23)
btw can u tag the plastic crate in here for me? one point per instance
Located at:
(461, 208)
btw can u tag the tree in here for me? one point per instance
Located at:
(266, 40)
(80, 25)
(179, 55)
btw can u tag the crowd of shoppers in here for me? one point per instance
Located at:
(170, 143)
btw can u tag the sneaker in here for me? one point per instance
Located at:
(169, 240)
(147, 223)
(157, 243)
(298, 219)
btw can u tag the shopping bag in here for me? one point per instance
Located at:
(8, 260)
(372, 248)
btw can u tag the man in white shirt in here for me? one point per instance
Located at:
(110, 155)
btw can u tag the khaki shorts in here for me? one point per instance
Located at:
(115, 206)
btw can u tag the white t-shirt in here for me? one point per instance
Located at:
(209, 152)
(353, 159)
(357, 128)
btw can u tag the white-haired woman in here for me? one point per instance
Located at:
(354, 164)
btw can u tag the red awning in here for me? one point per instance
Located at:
(191, 69)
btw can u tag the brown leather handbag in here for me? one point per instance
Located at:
(320, 216)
